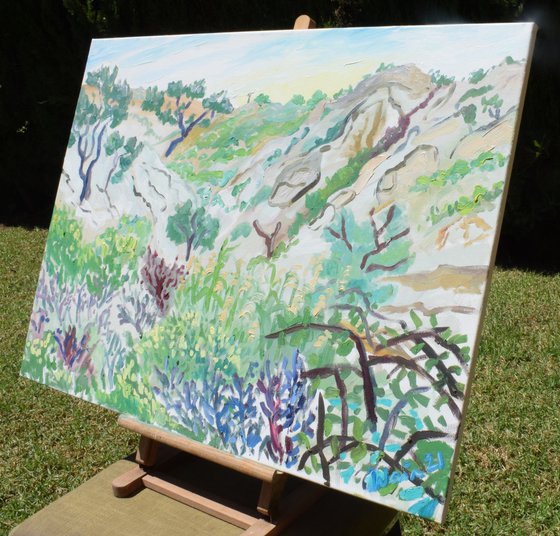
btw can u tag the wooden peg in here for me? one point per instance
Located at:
(304, 22)
(128, 483)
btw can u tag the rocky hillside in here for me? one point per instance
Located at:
(282, 172)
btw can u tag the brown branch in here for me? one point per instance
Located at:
(435, 334)
(343, 232)
(412, 335)
(320, 439)
(382, 246)
(342, 235)
(362, 314)
(440, 365)
(325, 372)
(343, 402)
(268, 238)
(373, 225)
(350, 443)
(369, 308)
(453, 348)
(370, 398)
(361, 293)
(418, 337)
(369, 393)
(414, 438)
(307, 325)
(334, 233)
(412, 365)
(394, 134)
(388, 219)
(385, 268)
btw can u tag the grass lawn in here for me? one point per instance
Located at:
(508, 478)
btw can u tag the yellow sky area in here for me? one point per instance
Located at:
(284, 84)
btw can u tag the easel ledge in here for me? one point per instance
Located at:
(277, 515)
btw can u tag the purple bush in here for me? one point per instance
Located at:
(237, 409)
(74, 353)
(284, 393)
(160, 278)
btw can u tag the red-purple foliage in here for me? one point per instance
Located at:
(160, 278)
(284, 396)
(73, 353)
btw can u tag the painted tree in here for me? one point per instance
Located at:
(123, 153)
(261, 99)
(269, 238)
(102, 105)
(171, 106)
(160, 279)
(194, 227)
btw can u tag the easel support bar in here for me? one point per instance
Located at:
(247, 467)
(204, 504)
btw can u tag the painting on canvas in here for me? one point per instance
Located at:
(278, 244)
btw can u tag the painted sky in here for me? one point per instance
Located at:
(283, 63)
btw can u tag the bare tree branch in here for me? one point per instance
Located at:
(382, 246)
(369, 308)
(412, 365)
(268, 238)
(369, 393)
(412, 335)
(363, 318)
(342, 235)
(385, 268)
(414, 438)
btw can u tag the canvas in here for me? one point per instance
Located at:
(279, 244)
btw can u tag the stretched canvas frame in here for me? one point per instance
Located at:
(279, 243)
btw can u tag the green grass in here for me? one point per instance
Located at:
(508, 478)
(49, 442)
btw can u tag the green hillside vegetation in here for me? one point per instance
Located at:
(236, 136)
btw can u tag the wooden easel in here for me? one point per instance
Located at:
(274, 515)
(270, 516)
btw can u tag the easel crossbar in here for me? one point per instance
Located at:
(247, 467)
(204, 504)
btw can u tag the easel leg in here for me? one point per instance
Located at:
(147, 452)
(132, 481)
(271, 493)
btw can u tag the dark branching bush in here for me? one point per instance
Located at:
(160, 278)
(74, 353)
